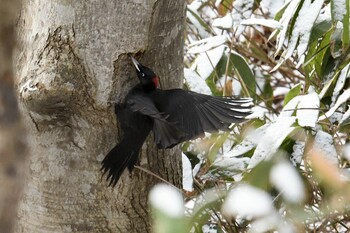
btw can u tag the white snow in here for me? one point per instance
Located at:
(258, 112)
(249, 142)
(286, 17)
(206, 62)
(207, 44)
(247, 202)
(236, 85)
(301, 31)
(346, 152)
(324, 142)
(308, 110)
(344, 74)
(209, 228)
(272, 6)
(225, 22)
(232, 163)
(167, 199)
(187, 178)
(298, 152)
(281, 91)
(325, 14)
(195, 82)
(339, 9)
(290, 107)
(191, 14)
(345, 116)
(271, 23)
(269, 223)
(273, 136)
(302, 28)
(342, 99)
(287, 180)
(242, 9)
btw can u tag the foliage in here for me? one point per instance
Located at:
(287, 167)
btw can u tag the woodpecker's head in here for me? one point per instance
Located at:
(147, 77)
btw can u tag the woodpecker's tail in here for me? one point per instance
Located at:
(123, 155)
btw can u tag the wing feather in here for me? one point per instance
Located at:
(165, 132)
(194, 113)
(181, 115)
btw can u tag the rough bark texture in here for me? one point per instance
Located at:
(12, 135)
(72, 67)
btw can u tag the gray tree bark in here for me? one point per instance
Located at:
(72, 66)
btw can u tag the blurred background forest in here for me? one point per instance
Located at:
(286, 168)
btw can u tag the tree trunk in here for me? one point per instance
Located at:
(72, 66)
(12, 136)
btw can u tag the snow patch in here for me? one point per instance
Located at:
(263, 22)
(273, 136)
(346, 152)
(232, 163)
(242, 9)
(195, 82)
(324, 142)
(207, 44)
(187, 178)
(344, 74)
(298, 152)
(272, 6)
(290, 107)
(225, 22)
(192, 14)
(206, 62)
(247, 202)
(287, 180)
(209, 228)
(257, 112)
(308, 110)
(346, 116)
(339, 9)
(342, 99)
(167, 199)
(302, 29)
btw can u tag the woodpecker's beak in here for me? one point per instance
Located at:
(136, 63)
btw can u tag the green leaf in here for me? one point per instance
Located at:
(340, 12)
(260, 175)
(224, 7)
(318, 30)
(279, 14)
(209, 203)
(245, 74)
(315, 56)
(292, 93)
(164, 223)
(336, 43)
(328, 65)
(218, 72)
(267, 93)
(346, 27)
(214, 149)
(322, 54)
(200, 20)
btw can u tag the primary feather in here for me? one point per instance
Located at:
(174, 116)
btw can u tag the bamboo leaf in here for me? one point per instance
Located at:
(245, 73)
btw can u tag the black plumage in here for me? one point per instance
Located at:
(174, 116)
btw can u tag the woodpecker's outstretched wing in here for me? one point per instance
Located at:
(194, 113)
(181, 115)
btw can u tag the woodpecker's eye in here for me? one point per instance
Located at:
(143, 74)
